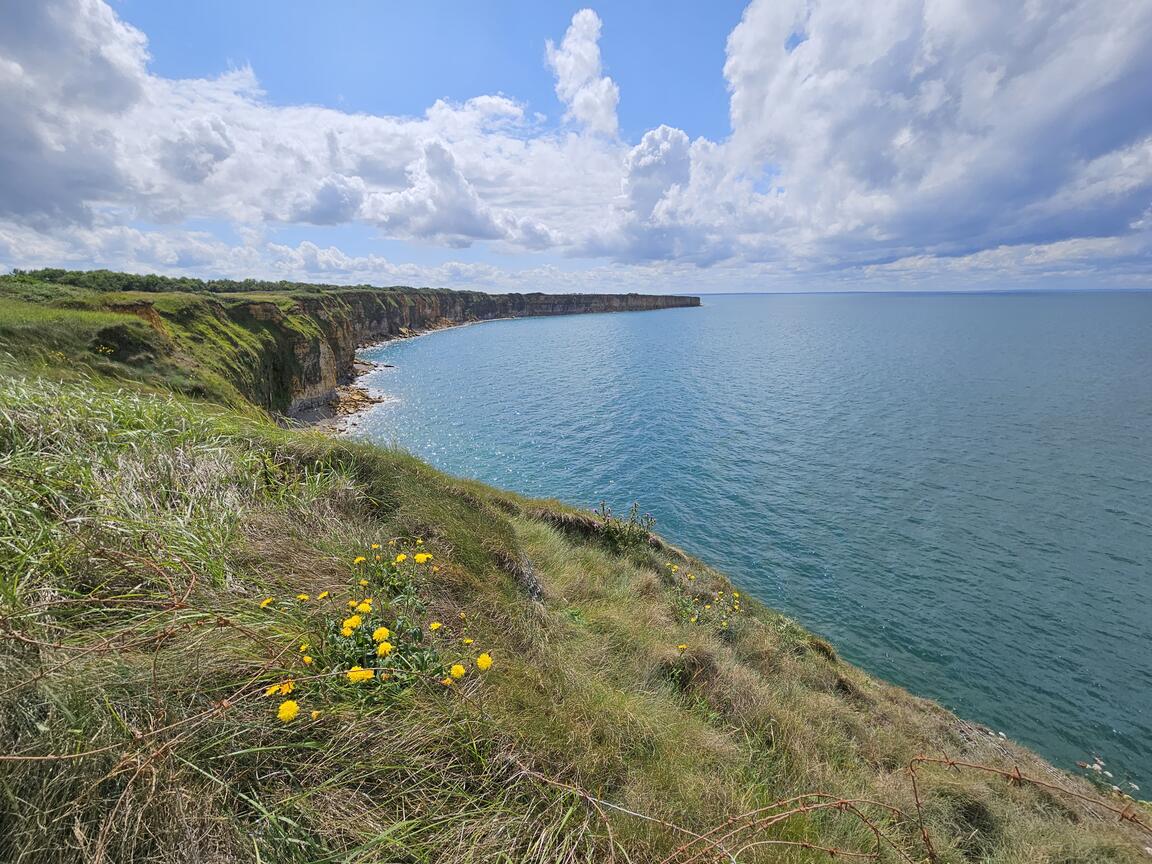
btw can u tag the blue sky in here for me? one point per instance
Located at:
(648, 146)
(399, 58)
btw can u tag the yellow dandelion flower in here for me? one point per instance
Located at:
(304, 646)
(736, 594)
(266, 602)
(694, 619)
(467, 641)
(691, 578)
(345, 632)
(357, 674)
(352, 604)
(307, 660)
(303, 598)
(364, 606)
(375, 545)
(360, 559)
(461, 616)
(447, 682)
(484, 662)
(352, 622)
(435, 625)
(419, 541)
(377, 558)
(723, 623)
(287, 711)
(457, 671)
(272, 690)
(674, 568)
(323, 595)
(391, 542)
(401, 558)
(383, 649)
(287, 687)
(380, 634)
(314, 714)
(681, 647)
(363, 583)
(707, 605)
(435, 569)
(422, 557)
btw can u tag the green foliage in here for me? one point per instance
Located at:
(632, 532)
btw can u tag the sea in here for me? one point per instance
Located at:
(954, 489)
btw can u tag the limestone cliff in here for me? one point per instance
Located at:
(319, 334)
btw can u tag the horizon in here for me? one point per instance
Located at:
(645, 147)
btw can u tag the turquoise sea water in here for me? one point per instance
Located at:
(955, 489)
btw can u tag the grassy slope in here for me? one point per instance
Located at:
(139, 533)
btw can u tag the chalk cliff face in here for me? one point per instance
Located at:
(316, 338)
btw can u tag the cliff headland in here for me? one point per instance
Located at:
(222, 640)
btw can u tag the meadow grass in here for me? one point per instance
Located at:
(141, 533)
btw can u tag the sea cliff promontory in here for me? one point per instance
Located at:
(224, 640)
(285, 346)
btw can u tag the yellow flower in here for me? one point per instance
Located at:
(323, 595)
(351, 604)
(435, 625)
(466, 641)
(287, 687)
(736, 594)
(363, 583)
(375, 545)
(707, 605)
(401, 558)
(303, 598)
(272, 691)
(357, 674)
(391, 542)
(691, 578)
(694, 620)
(457, 671)
(681, 647)
(422, 557)
(462, 616)
(352, 622)
(674, 568)
(723, 623)
(360, 559)
(304, 646)
(307, 660)
(447, 682)
(484, 662)
(380, 634)
(383, 649)
(364, 606)
(419, 541)
(266, 602)
(435, 569)
(315, 714)
(288, 710)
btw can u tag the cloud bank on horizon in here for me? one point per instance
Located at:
(921, 143)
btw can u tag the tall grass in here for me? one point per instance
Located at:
(139, 534)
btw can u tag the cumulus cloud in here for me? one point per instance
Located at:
(589, 95)
(921, 139)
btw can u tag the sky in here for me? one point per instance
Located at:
(635, 145)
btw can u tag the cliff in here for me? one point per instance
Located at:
(227, 641)
(282, 346)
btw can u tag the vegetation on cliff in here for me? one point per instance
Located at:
(177, 641)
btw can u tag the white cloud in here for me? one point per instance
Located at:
(918, 139)
(590, 96)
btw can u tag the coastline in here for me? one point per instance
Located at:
(352, 400)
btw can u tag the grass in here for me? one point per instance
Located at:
(140, 532)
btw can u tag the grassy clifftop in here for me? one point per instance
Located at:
(176, 646)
